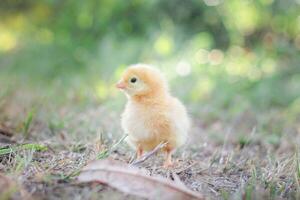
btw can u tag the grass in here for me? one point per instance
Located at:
(106, 152)
(16, 148)
(27, 123)
(223, 158)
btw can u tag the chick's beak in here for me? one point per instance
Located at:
(121, 85)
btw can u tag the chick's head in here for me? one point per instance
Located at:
(142, 80)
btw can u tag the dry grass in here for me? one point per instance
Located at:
(217, 161)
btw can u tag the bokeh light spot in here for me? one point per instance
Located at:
(201, 56)
(245, 16)
(7, 41)
(216, 57)
(164, 45)
(203, 40)
(183, 68)
(101, 90)
(84, 19)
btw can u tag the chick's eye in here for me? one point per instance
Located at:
(133, 80)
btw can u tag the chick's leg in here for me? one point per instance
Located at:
(168, 161)
(139, 151)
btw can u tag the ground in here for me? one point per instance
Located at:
(223, 159)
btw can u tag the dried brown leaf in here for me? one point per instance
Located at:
(134, 181)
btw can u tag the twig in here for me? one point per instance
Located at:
(178, 180)
(117, 144)
(202, 170)
(186, 168)
(132, 158)
(149, 154)
(214, 191)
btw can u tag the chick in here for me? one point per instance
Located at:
(152, 115)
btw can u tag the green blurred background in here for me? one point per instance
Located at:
(222, 58)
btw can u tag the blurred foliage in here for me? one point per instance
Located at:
(235, 55)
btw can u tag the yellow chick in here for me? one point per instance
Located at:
(152, 115)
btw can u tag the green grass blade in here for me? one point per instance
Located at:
(36, 147)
